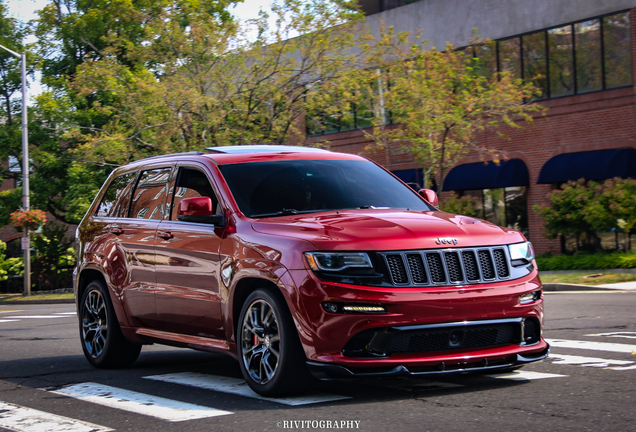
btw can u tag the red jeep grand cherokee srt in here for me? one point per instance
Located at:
(299, 261)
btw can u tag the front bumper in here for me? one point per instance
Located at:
(325, 371)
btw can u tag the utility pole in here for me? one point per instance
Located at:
(26, 245)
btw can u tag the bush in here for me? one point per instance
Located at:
(9, 266)
(616, 260)
(54, 258)
(581, 209)
(464, 206)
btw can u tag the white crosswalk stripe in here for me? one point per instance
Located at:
(594, 346)
(626, 335)
(238, 387)
(586, 361)
(140, 403)
(526, 376)
(22, 419)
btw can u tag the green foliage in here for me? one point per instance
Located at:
(580, 207)
(459, 205)
(54, 257)
(10, 200)
(565, 215)
(9, 266)
(204, 84)
(595, 261)
(437, 100)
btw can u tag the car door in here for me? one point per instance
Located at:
(101, 237)
(137, 237)
(189, 295)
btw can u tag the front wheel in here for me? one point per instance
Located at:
(103, 343)
(270, 354)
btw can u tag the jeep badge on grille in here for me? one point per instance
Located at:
(446, 241)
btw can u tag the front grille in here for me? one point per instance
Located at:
(441, 339)
(448, 266)
(429, 338)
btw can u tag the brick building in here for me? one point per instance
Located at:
(585, 52)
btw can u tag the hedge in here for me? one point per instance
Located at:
(616, 260)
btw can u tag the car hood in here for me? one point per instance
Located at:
(379, 229)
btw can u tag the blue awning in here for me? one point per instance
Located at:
(487, 175)
(590, 165)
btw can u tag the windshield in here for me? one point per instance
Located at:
(265, 189)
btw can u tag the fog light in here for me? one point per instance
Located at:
(530, 297)
(365, 309)
(330, 307)
(355, 308)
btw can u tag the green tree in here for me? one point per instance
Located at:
(204, 84)
(54, 257)
(460, 205)
(613, 206)
(9, 266)
(566, 213)
(439, 101)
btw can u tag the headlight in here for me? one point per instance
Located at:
(337, 261)
(521, 253)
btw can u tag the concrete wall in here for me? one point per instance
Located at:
(442, 21)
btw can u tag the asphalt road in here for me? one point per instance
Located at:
(588, 383)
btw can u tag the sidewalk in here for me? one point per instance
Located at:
(623, 286)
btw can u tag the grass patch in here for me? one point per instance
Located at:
(577, 278)
(36, 297)
(616, 260)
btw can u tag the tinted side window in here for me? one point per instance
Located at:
(193, 183)
(117, 197)
(149, 197)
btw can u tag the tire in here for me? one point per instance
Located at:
(269, 351)
(102, 340)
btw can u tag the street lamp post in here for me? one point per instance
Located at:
(25, 172)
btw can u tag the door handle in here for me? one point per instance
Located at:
(117, 231)
(165, 235)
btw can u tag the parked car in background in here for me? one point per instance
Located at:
(300, 262)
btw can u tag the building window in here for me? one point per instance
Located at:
(586, 56)
(589, 71)
(617, 60)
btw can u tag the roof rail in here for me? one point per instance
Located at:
(262, 148)
(171, 154)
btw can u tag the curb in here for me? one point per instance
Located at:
(37, 302)
(590, 271)
(573, 287)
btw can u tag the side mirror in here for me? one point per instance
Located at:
(430, 196)
(199, 210)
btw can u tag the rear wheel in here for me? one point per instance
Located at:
(102, 340)
(271, 357)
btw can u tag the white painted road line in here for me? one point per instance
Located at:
(37, 316)
(238, 387)
(525, 376)
(626, 335)
(594, 346)
(622, 368)
(586, 361)
(139, 403)
(7, 320)
(21, 419)
(65, 313)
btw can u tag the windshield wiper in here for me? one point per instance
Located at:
(283, 212)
